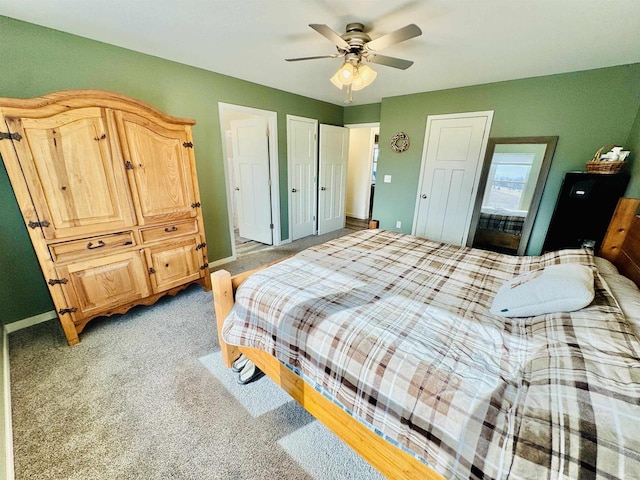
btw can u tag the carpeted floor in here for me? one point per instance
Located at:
(144, 396)
(244, 246)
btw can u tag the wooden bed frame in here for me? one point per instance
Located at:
(621, 246)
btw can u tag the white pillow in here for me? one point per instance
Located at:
(625, 292)
(605, 267)
(556, 288)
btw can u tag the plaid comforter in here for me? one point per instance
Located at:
(505, 223)
(397, 330)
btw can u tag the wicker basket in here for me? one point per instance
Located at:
(595, 165)
(605, 167)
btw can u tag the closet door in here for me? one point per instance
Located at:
(74, 173)
(160, 164)
(454, 147)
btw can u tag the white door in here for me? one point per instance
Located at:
(251, 178)
(451, 163)
(302, 156)
(332, 174)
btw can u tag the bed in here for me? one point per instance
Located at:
(501, 228)
(388, 340)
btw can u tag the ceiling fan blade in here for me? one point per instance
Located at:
(311, 58)
(400, 35)
(330, 34)
(389, 61)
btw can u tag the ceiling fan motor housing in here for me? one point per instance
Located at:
(355, 37)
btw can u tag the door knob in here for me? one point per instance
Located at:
(293, 190)
(238, 189)
(322, 188)
(424, 195)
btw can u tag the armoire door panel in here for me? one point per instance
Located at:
(99, 284)
(159, 166)
(77, 183)
(175, 263)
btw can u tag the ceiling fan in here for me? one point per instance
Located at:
(356, 47)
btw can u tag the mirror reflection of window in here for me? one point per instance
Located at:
(514, 174)
(507, 181)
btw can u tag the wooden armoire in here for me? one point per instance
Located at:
(108, 190)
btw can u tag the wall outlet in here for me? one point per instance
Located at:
(387, 179)
(398, 224)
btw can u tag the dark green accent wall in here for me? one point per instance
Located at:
(584, 109)
(23, 292)
(355, 114)
(36, 61)
(633, 145)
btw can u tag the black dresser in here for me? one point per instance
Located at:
(584, 208)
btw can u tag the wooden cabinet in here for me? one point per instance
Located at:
(108, 190)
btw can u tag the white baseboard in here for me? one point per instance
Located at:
(28, 322)
(9, 473)
(222, 261)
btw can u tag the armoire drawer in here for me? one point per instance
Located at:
(169, 230)
(87, 247)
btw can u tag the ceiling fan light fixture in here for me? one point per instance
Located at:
(367, 74)
(363, 77)
(336, 80)
(358, 77)
(346, 73)
(357, 84)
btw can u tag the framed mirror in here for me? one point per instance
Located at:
(511, 184)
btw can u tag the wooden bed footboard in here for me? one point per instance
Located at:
(393, 462)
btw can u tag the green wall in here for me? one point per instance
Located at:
(37, 61)
(633, 145)
(584, 109)
(355, 114)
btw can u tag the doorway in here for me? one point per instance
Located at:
(361, 171)
(250, 152)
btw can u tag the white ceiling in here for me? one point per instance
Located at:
(464, 42)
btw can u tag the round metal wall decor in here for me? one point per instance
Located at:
(400, 142)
